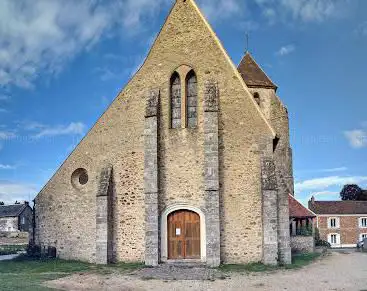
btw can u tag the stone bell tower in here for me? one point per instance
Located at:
(264, 92)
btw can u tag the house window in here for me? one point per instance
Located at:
(257, 98)
(192, 99)
(175, 101)
(334, 239)
(333, 222)
(363, 222)
(22, 221)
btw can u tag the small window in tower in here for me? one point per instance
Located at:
(192, 99)
(257, 98)
(175, 101)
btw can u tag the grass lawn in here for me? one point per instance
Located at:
(298, 261)
(28, 274)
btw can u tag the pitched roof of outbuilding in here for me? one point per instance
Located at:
(296, 209)
(338, 207)
(11, 210)
(253, 75)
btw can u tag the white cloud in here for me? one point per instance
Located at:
(303, 10)
(41, 35)
(324, 193)
(6, 135)
(74, 128)
(320, 184)
(357, 138)
(10, 192)
(7, 167)
(321, 195)
(340, 169)
(220, 9)
(311, 10)
(286, 50)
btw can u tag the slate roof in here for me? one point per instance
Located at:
(296, 209)
(253, 75)
(11, 210)
(338, 207)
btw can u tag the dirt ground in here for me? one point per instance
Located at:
(339, 271)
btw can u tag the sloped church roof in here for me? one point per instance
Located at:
(253, 75)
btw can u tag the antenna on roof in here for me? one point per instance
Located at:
(247, 39)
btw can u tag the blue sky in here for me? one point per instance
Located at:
(63, 62)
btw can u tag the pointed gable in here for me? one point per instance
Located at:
(253, 75)
(297, 210)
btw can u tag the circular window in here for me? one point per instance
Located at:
(79, 178)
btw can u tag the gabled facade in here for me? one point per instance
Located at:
(17, 217)
(184, 165)
(341, 223)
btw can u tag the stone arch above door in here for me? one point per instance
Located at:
(164, 231)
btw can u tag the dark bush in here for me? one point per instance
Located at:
(319, 242)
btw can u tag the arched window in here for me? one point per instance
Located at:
(175, 101)
(192, 100)
(257, 98)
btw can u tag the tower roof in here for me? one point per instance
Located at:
(253, 75)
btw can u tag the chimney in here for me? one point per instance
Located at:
(26, 203)
(311, 203)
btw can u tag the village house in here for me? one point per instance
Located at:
(192, 161)
(301, 227)
(16, 217)
(341, 223)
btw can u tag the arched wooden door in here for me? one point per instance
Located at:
(183, 235)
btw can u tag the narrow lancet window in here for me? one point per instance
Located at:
(257, 98)
(192, 100)
(175, 101)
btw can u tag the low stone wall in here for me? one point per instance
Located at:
(303, 244)
(14, 238)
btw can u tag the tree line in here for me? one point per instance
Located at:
(353, 192)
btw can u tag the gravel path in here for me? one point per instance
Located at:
(8, 257)
(339, 271)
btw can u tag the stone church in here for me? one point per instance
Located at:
(191, 162)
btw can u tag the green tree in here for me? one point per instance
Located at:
(351, 192)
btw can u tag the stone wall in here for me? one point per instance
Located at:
(66, 214)
(302, 244)
(14, 238)
(9, 224)
(277, 114)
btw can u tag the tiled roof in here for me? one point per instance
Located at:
(296, 209)
(338, 207)
(11, 210)
(253, 75)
